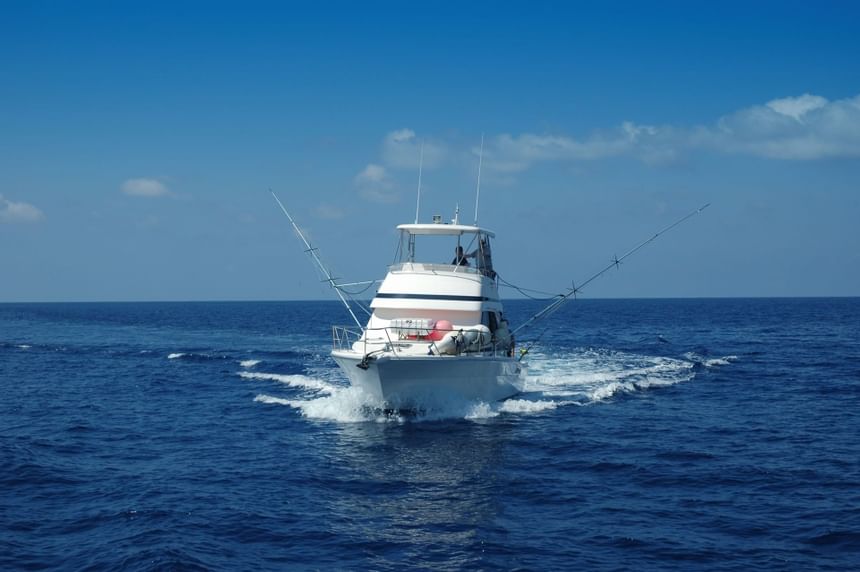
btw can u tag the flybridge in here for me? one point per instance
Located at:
(470, 252)
(444, 229)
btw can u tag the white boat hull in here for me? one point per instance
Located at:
(419, 381)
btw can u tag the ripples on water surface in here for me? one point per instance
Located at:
(653, 434)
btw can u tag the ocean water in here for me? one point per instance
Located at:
(653, 435)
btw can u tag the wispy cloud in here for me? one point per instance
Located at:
(511, 154)
(797, 107)
(401, 149)
(144, 188)
(329, 212)
(802, 128)
(375, 184)
(12, 211)
(373, 174)
(806, 127)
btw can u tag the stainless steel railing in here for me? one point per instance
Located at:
(344, 338)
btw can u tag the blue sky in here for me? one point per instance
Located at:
(138, 141)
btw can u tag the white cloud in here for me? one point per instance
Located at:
(11, 211)
(510, 154)
(144, 188)
(374, 184)
(329, 212)
(401, 149)
(797, 107)
(374, 175)
(806, 127)
(802, 128)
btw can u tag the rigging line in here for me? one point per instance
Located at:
(355, 301)
(362, 306)
(397, 250)
(353, 295)
(522, 290)
(359, 292)
(317, 261)
(361, 283)
(525, 292)
(616, 261)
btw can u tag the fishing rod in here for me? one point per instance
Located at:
(574, 289)
(317, 261)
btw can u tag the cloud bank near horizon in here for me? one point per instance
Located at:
(802, 128)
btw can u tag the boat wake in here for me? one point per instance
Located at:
(576, 378)
(593, 375)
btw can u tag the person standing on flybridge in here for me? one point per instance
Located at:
(460, 257)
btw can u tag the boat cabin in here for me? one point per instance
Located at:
(442, 282)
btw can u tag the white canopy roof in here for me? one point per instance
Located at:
(444, 229)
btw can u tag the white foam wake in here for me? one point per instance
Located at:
(529, 406)
(249, 363)
(175, 356)
(589, 376)
(709, 362)
(296, 381)
(343, 404)
(550, 381)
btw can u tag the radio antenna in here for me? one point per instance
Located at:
(315, 257)
(420, 166)
(478, 190)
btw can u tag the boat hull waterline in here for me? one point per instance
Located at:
(423, 381)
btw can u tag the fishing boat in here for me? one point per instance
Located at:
(437, 329)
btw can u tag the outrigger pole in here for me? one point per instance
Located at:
(616, 260)
(317, 261)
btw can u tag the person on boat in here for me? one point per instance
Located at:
(460, 257)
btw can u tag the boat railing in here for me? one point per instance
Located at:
(343, 337)
(430, 267)
(398, 340)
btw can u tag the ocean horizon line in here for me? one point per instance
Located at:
(318, 300)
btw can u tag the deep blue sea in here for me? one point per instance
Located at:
(716, 434)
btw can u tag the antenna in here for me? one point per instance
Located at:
(420, 166)
(478, 191)
(317, 261)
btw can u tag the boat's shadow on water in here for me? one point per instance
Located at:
(407, 488)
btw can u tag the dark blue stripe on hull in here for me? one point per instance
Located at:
(446, 297)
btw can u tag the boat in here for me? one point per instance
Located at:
(437, 331)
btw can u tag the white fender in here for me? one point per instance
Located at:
(448, 344)
(484, 335)
(470, 336)
(477, 337)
